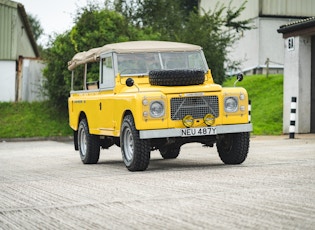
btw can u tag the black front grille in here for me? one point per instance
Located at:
(198, 107)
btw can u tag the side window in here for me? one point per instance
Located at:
(107, 78)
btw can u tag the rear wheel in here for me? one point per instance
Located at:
(88, 144)
(233, 148)
(170, 151)
(135, 151)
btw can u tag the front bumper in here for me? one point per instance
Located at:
(221, 129)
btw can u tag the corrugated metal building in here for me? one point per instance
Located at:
(257, 45)
(16, 44)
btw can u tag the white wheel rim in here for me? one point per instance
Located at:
(82, 142)
(128, 144)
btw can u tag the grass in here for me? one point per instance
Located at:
(35, 119)
(38, 119)
(267, 104)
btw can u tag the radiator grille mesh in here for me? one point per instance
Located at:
(198, 107)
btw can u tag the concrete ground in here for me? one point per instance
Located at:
(44, 185)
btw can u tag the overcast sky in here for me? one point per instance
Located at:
(55, 16)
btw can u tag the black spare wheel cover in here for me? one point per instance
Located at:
(176, 77)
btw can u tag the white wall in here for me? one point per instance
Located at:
(31, 85)
(271, 42)
(297, 83)
(32, 81)
(246, 49)
(256, 45)
(7, 80)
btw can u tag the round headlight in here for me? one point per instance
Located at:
(230, 104)
(157, 109)
(188, 121)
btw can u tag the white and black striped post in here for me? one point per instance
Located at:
(292, 117)
(249, 111)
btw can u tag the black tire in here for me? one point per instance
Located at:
(88, 144)
(170, 151)
(233, 148)
(135, 151)
(75, 140)
(176, 77)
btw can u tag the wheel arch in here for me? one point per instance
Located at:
(125, 113)
(81, 116)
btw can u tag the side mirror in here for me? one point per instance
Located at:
(130, 82)
(239, 77)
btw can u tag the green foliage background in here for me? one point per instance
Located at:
(36, 119)
(266, 95)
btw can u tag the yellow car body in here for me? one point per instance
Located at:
(181, 112)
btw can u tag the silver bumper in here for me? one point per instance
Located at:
(222, 129)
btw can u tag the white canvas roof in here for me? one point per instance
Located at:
(92, 55)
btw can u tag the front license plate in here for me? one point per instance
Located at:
(199, 131)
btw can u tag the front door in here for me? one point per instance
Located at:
(106, 96)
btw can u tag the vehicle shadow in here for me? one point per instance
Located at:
(168, 164)
(179, 164)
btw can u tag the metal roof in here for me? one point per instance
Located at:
(300, 27)
(10, 13)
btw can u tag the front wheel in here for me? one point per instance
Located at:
(233, 147)
(135, 151)
(88, 144)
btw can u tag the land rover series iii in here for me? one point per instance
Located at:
(153, 95)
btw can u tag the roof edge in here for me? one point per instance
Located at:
(298, 25)
(29, 32)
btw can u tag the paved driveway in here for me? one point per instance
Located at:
(43, 184)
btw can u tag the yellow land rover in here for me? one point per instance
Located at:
(153, 95)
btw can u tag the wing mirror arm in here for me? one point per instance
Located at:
(239, 77)
(130, 82)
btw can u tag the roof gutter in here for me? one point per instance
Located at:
(298, 28)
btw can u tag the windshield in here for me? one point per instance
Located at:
(142, 63)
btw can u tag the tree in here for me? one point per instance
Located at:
(93, 28)
(205, 31)
(215, 31)
(35, 26)
(181, 21)
(165, 16)
(56, 73)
